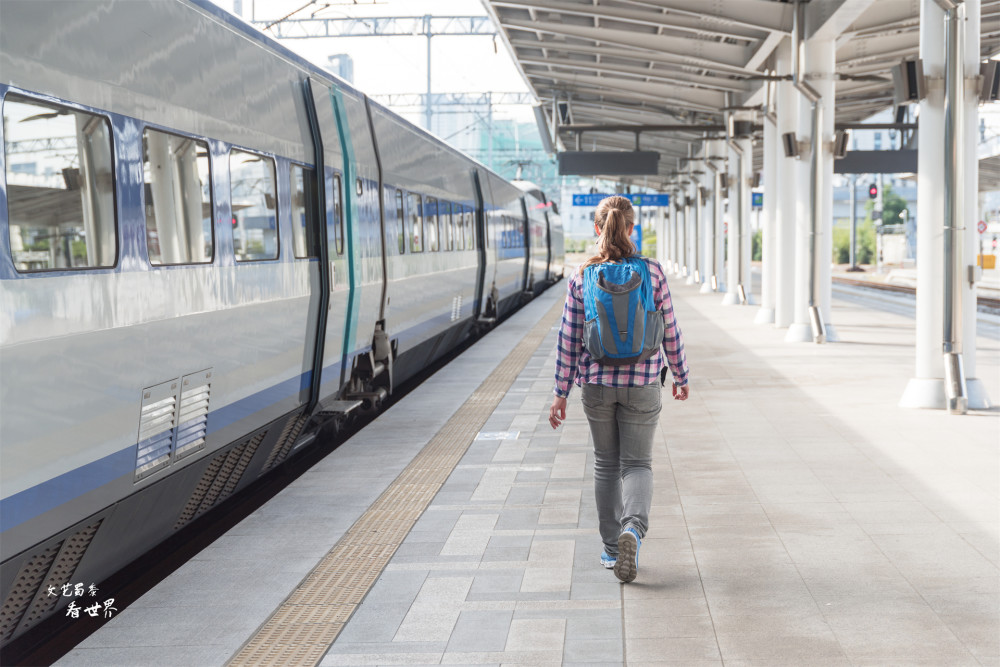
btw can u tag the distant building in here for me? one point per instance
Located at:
(341, 65)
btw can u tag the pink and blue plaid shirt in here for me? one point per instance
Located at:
(574, 363)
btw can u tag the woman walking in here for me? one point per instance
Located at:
(621, 401)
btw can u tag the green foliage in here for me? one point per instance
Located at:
(579, 245)
(649, 244)
(40, 245)
(865, 244)
(79, 249)
(892, 204)
(758, 246)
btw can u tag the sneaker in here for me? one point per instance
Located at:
(608, 561)
(627, 565)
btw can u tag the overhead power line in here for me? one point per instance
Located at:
(381, 26)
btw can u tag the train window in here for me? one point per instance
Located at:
(254, 201)
(470, 230)
(304, 205)
(400, 222)
(416, 223)
(178, 201)
(336, 195)
(444, 222)
(459, 213)
(60, 187)
(450, 226)
(431, 229)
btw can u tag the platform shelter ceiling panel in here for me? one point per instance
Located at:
(655, 62)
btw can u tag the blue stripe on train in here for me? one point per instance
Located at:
(50, 494)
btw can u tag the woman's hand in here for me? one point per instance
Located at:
(680, 393)
(557, 413)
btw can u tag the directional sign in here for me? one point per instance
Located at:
(661, 199)
(981, 226)
(650, 199)
(757, 199)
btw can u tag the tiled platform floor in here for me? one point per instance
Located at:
(800, 518)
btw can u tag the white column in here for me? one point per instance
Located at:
(978, 398)
(786, 196)
(661, 238)
(733, 174)
(690, 222)
(684, 212)
(927, 389)
(718, 150)
(819, 63)
(707, 218)
(746, 233)
(672, 231)
(769, 242)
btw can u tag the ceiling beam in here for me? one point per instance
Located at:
(711, 83)
(655, 19)
(753, 14)
(765, 50)
(692, 98)
(693, 51)
(630, 52)
(828, 19)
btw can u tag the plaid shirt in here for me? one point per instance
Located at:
(573, 362)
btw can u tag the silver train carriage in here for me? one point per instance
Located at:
(209, 248)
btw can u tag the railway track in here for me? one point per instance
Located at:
(985, 304)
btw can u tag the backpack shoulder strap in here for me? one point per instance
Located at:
(642, 268)
(589, 283)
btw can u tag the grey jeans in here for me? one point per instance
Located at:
(622, 422)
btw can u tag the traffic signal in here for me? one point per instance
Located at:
(873, 191)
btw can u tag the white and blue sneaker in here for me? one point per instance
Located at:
(627, 565)
(608, 561)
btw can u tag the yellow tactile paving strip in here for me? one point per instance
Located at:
(302, 629)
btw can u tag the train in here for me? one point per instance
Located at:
(210, 251)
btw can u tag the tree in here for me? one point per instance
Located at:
(892, 205)
(649, 243)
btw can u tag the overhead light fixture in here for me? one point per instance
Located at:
(565, 112)
(738, 128)
(840, 141)
(990, 89)
(908, 82)
(791, 144)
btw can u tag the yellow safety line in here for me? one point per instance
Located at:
(302, 629)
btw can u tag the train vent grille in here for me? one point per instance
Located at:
(61, 573)
(193, 419)
(456, 307)
(220, 479)
(285, 442)
(157, 420)
(25, 587)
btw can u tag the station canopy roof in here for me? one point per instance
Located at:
(659, 62)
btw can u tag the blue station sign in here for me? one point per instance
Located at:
(658, 199)
(757, 199)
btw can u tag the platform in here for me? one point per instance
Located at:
(800, 517)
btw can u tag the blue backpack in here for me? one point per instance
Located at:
(623, 325)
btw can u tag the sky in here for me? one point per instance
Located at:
(383, 65)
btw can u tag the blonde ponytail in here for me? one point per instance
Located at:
(614, 217)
